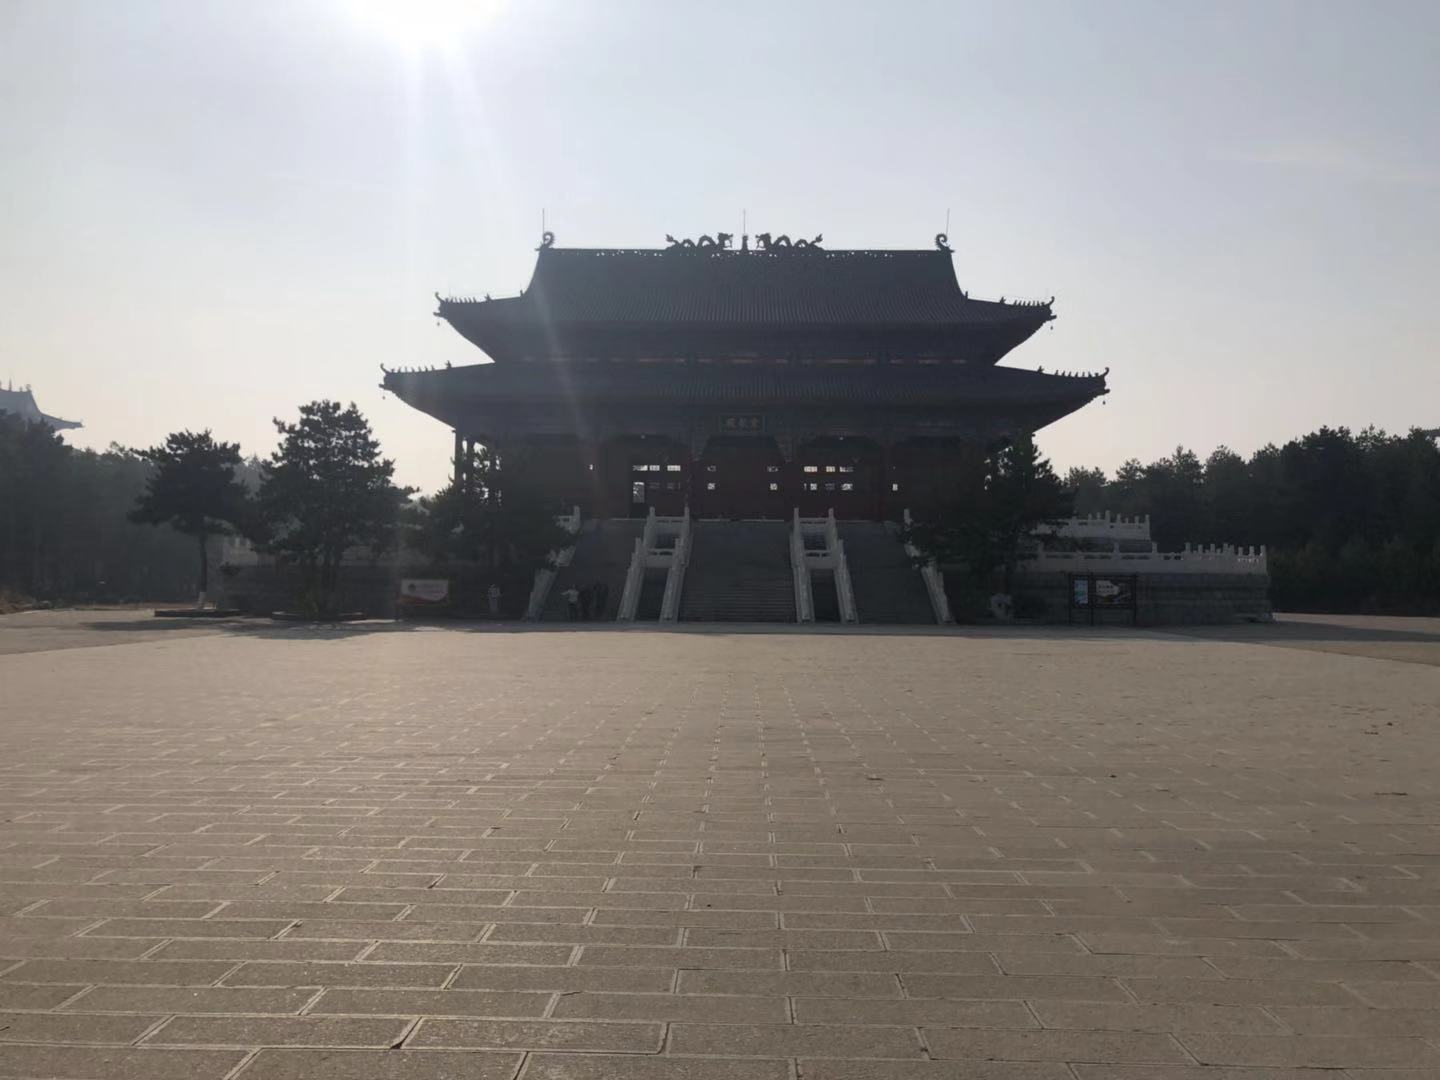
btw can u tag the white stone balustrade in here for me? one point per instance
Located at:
(545, 576)
(1099, 527)
(800, 572)
(1213, 559)
(934, 579)
(649, 555)
(830, 557)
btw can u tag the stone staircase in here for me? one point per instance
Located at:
(652, 596)
(739, 572)
(823, 597)
(602, 553)
(887, 588)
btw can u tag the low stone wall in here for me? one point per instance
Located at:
(1161, 599)
(372, 589)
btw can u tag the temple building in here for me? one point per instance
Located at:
(739, 435)
(21, 403)
(742, 383)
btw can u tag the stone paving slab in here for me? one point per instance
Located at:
(249, 853)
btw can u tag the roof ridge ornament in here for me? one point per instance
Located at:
(547, 240)
(782, 243)
(718, 242)
(942, 242)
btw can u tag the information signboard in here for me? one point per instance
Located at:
(423, 594)
(1092, 593)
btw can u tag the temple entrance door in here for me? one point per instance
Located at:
(741, 476)
(841, 474)
(656, 475)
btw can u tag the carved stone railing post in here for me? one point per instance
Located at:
(934, 579)
(675, 578)
(804, 600)
(844, 593)
(634, 580)
(545, 576)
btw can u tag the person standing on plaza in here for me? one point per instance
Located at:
(493, 595)
(572, 602)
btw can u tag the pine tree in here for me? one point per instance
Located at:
(327, 491)
(193, 488)
(988, 528)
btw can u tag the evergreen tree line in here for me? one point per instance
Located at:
(1350, 521)
(65, 530)
(135, 525)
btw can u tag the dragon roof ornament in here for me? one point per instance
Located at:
(783, 243)
(718, 242)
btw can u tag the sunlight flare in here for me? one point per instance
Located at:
(424, 24)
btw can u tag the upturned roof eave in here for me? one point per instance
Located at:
(535, 309)
(982, 388)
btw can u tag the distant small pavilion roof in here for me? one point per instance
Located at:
(21, 403)
(582, 295)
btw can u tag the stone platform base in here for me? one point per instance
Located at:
(1161, 599)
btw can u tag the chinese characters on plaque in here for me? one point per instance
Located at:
(738, 424)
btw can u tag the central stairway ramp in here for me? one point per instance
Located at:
(739, 571)
(887, 587)
(602, 554)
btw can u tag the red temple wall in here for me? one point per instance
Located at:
(740, 477)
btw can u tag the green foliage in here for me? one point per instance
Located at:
(1089, 488)
(194, 489)
(491, 517)
(65, 533)
(990, 522)
(1351, 522)
(327, 491)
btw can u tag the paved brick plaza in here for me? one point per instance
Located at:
(427, 854)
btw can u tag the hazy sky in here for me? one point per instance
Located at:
(213, 211)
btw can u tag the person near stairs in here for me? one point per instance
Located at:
(572, 602)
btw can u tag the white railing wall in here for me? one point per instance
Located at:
(634, 581)
(831, 557)
(545, 576)
(649, 556)
(843, 591)
(675, 578)
(635, 576)
(800, 571)
(934, 579)
(1224, 559)
(1099, 527)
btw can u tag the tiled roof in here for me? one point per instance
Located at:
(21, 403)
(792, 287)
(907, 384)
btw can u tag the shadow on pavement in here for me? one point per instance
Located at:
(1412, 640)
(1318, 628)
